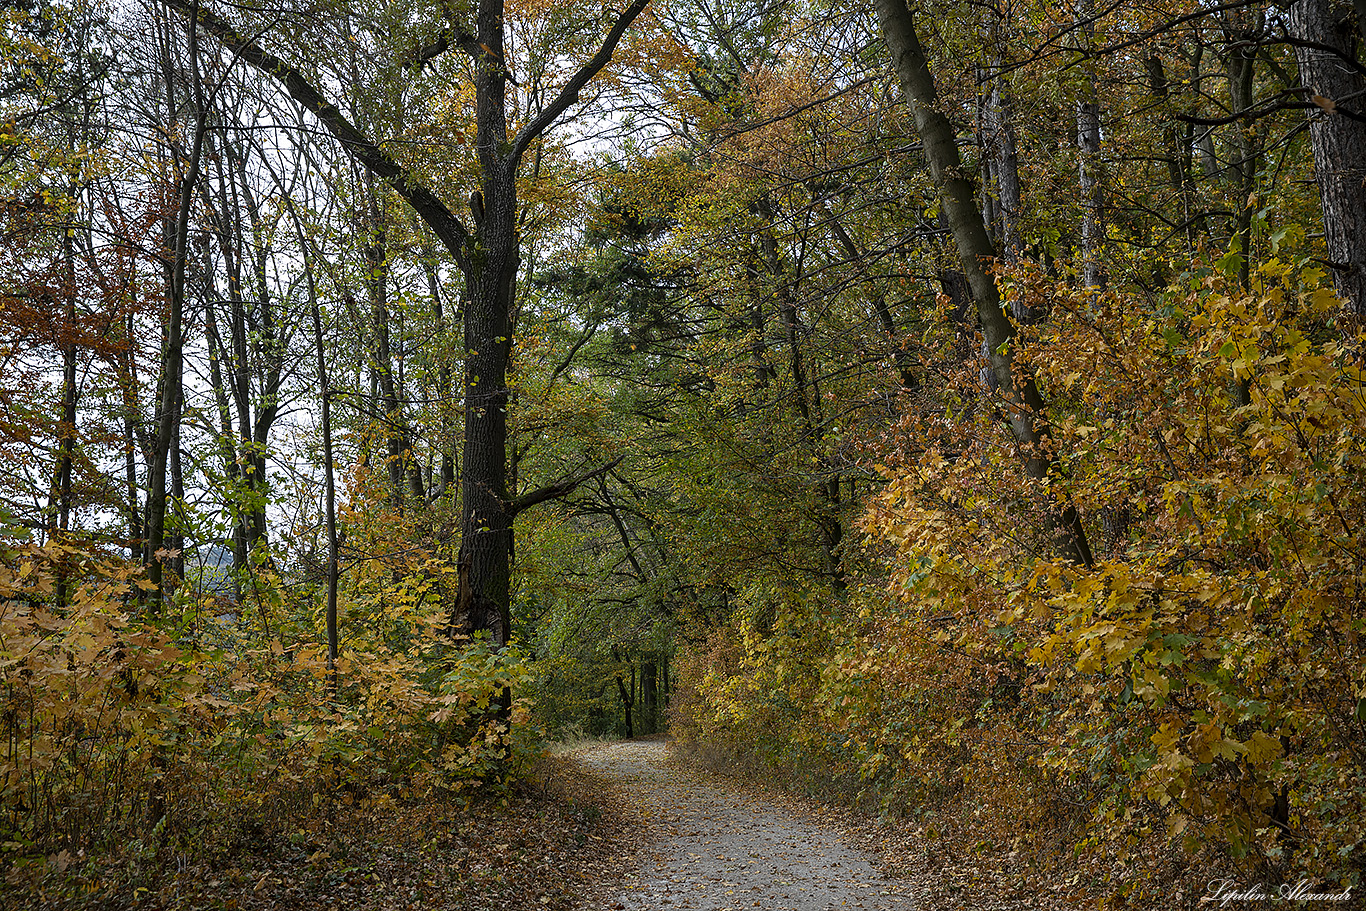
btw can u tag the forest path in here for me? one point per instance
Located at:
(723, 849)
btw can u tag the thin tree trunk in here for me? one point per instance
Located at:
(377, 268)
(172, 362)
(266, 347)
(1241, 42)
(649, 697)
(176, 543)
(1006, 168)
(808, 401)
(905, 364)
(132, 437)
(59, 500)
(329, 488)
(445, 374)
(1088, 163)
(1024, 403)
(628, 701)
(59, 505)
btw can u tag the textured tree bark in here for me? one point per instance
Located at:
(1005, 168)
(1331, 74)
(1025, 406)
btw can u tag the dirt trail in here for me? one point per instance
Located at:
(727, 850)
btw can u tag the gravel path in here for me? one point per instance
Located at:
(724, 850)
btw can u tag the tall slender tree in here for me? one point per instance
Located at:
(1025, 406)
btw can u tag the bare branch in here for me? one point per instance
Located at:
(559, 488)
(456, 35)
(570, 93)
(365, 150)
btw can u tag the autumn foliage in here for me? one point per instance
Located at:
(1201, 684)
(376, 398)
(117, 726)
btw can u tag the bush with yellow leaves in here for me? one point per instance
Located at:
(1205, 678)
(121, 723)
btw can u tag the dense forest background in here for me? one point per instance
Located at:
(945, 405)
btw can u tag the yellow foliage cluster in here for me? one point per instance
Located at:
(119, 722)
(1207, 673)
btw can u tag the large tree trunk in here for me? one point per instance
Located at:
(490, 265)
(1326, 53)
(1024, 404)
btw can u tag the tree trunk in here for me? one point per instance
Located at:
(176, 539)
(905, 364)
(59, 499)
(329, 485)
(268, 359)
(1006, 168)
(172, 365)
(1330, 78)
(133, 439)
(1024, 403)
(628, 701)
(252, 348)
(445, 481)
(649, 697)
(1088, 162)
(381, 354)
(59, 506)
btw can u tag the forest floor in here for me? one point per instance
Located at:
(555, 841)
(711, 841)
(716, 847)
(618, 825)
